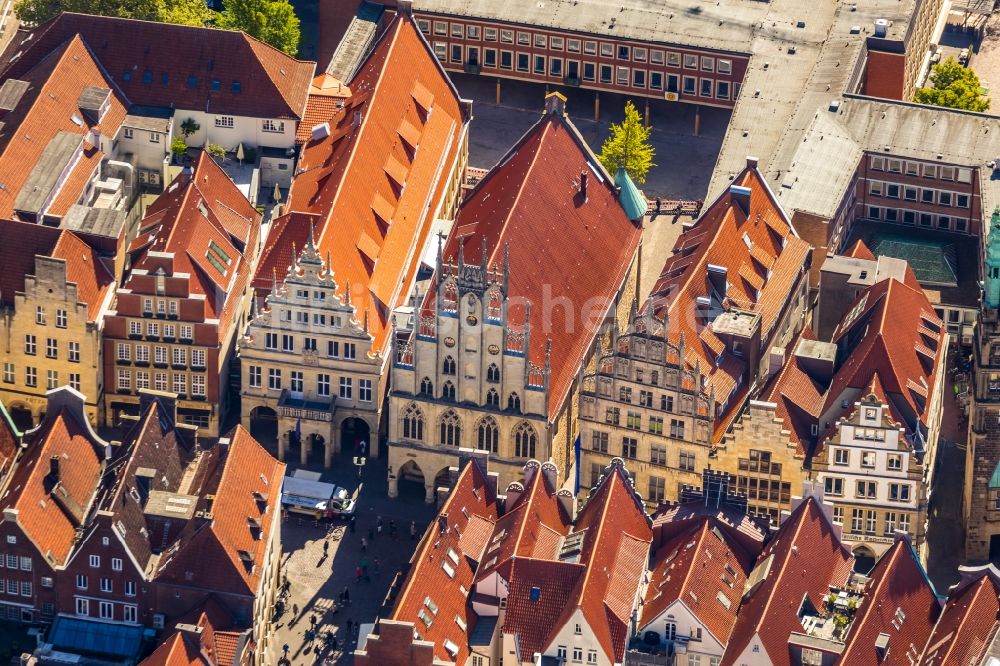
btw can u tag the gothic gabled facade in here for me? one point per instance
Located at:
(464, 380)
(642, 385)
(307, 363)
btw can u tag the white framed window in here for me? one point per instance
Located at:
(30, 345)
(25, 563)
(30, 376)
(198, 385)
(160, 354)
(365, 390)
(124, 351)
(51, 379)
(160, 381)
(82, 606)
(254, 375)
(198, 358)
(134, 328)
(323, 384)
(107, 585)
(95, 561)
(180, 383)
(225, 121)
(130, 588)
(74, 381)
(141, 380)
(142, 353)
(274, 379)
(116, 564)
(345, 388)
(186, 332)
(152, 329)
(74, 352)
(40, 315)
(154, 137)
(180, 356)
(8, 373)
(106, 610)
(124, 380)
(81, 581)
(296, 381)
(130, 613)
(277, 126)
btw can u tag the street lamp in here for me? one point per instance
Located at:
(360, 462)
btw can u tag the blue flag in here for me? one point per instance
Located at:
(576, 453)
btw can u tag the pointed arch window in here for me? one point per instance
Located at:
(413, 423)
(524, 440)
(514, 403)
(426, 387)
(493, 374)
(448, 367)
(493, 399)
(488, 434)
(451, 429)
(450, 296)
(448, 391)
(493, 305)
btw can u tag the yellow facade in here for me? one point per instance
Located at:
(49, 341)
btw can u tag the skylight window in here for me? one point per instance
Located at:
(192, 81)
(448, 569)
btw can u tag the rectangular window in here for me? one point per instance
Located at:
(74, 352)
(658, 454)
(51, 379)
(60, 318)
(154, 137)
(160, 355)
(130, 588)
(152, 329)
(296, 381)
(899, 492)
(690, 85)
(540, 41)
(198, 385)
(30, 345)
(107, 610)
(345, 388)
(606, 73)
(555, 67)
(274, 379)
(8, 373)
(556, 43)
(841, 456)
(365, 390)
(40, 315)
(707, 64)
(472, 32)
(706, 88)
(81, 581)
(490, 58)
(456, 53)
(894, 462)
(490, 34)
(180, 383)
(622, 79)
(82, 606)
(600, 442)
(116, 564)
(106, 585)
(573, 45)
(722, 89)
(507, 36)
(655, 80)
(522, 62)
(323, 384)
(639, 78)
(834, 486)
(506, 60)
(686, 461)
(677, 429)
(539, 64)
(865, 490)
(74, 381)
(130, 614)
(225, 121)
(440, 28)
(141, 380)
(350, 350)
(629, 446)
(457, 30)
(524, 38)
(124, 380)
(690, 61)
(160, 381)
(590, 48)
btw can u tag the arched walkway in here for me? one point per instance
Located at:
(410, 480)
(355, 437)
(264, 426)
(864, 560)
(441, 480)
(21, 416)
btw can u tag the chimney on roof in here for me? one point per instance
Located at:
(404, 7)
(583, 185)
(741, 197)
(144, 482)
(54, 469)
(443, 523)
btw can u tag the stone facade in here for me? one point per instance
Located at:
(763, 460)
(463, 380)
(982, 463)
(308, 363)
(643, 405)
(874, 480)
(49, 339)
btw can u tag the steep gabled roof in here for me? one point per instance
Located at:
(226, 553)
(802, 560)
(401, 126)
(179, 649)
(968, 622)
(614, 551)
(50, 509)
(899, 602)
(19, 243)
(85, 268)
(798, 397)
(706, 570)
(143, 60)
(49, 108)
(891, 330)
(752, 239)
(207, 224)
(444, 565)
(580, 249)
(860, 251)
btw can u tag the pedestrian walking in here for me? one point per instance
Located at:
(376, 563)
(326, 548)
(378, 528)
(364, 544)
(413, 530)
(364, 569)
(392, 530)
(347, 595)
(358, 573)
(658, 204)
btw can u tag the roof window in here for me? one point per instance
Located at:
(127, 75)
(535, 594)
(237, 87)
(147, 76)
(192, 81)
(164, 78)
(216, 84)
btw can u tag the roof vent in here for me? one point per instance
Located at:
(881, 27)
(535, 594)
(882, 646)
(321, 131)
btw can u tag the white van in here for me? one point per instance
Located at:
(303, 492)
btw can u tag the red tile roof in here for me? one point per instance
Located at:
(803, 558)
(50, 512)
(698, 568)
(212, 556)
(144, 62)
(968, 623)
(327, 95)
(896, 583)
(860, 251)
(428, 580)
(50, 106)
(579, 251)
(19, 243)
(759, 246)
(891, 330)
(85, 268)
(178, 650)
(197, 211)
(342, 177)
(72, 189)
(799, 397)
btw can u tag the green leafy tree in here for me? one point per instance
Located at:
(953, 86)
(178, 147)
(271, 21)
(185, 12)
(629, 147)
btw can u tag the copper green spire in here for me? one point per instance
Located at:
(991, 283)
